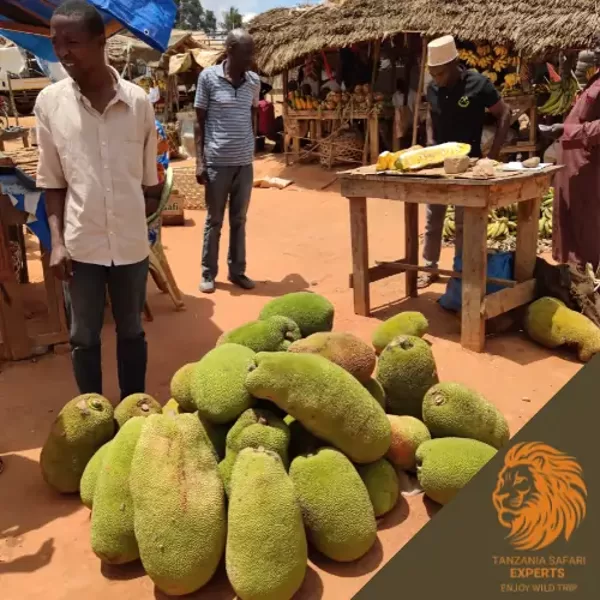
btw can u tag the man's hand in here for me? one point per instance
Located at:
(60, 263)
(201, 174)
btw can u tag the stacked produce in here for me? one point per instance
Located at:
(299, 101)
(562, 96)
(360, 100)
(502, 222)
(286, 435)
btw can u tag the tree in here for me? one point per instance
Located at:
(192, 16)
(232, 19)
(210, 22)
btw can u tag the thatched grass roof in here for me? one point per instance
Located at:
(283, 35)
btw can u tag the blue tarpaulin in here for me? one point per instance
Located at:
(150, 20)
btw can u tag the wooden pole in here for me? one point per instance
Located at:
(13, 104)
(419, 90)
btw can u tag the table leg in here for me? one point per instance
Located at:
(411, 240)
(474, 278)
(373, 124)
(527, 238)
(360, 255)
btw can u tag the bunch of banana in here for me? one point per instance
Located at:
(511, 80)
(501, 63)
(449, 224)
(469, 57)
(493, 77)
(483, 49)
(562, 94)
(545, 222)
(501, 51)
(500, 228)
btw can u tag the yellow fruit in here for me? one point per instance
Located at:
(413, 160)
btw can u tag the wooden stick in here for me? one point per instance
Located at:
(419, 91)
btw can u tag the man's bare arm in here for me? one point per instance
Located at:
(501, 111)
(60, 262)
(199, 139)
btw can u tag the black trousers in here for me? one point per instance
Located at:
(85, 298)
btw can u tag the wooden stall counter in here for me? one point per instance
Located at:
(477, 197)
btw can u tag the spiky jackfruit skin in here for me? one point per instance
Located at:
(376, 390)
(302, 441)
(112, 533)
(408, 433)
(381, 480)
(136, 405)
(274, 334)
(181, 390)
(446, 465)
(406, 323)
(255, 428)
(406, 370)
(87, 485)
(178, 504)
(80, 428)
(550, 323)
(335, 503)
(343, 349)
(455, 410)
(311, 312)
(217, 383)
(266, 552)
(326, 399)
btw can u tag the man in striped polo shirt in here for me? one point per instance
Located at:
(226, 100)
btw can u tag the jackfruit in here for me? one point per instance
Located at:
(87, 485)
(217, 435)
(404, 323)
(112, 532)
(335, 504)
(550, 323)
(430, 156)
(80, 428)
(376, 390)
(408, 433)
(454, 410)
(381, 480)
(326, 399)
(217, 383)
(136, 405)
(311, 312)
(178, 504)
(274, 334)
(255, 429)
(181, 390)
(302, 441)
(172, 408)
(406, 370)
(343, 349)
(446, 465)
(266, 552)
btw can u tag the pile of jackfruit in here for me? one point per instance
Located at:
(287, 435)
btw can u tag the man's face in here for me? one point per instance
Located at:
(78, 51)
(441, 74)
(241, 55)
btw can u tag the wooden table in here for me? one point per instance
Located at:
(478, 197)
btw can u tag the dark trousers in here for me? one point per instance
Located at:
(233, 184)
(85, 298)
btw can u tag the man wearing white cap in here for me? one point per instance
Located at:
(458, 99)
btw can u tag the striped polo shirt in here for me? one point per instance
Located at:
(228, 133)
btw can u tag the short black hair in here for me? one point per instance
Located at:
(88, 13)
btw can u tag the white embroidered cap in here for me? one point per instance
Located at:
(441, 51)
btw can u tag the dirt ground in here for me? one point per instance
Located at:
(298, 239)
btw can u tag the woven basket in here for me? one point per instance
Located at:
(184, 179)
(346, 146)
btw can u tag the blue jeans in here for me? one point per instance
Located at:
(85, 299)
(233, 184)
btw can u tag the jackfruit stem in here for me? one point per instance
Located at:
(262, 421)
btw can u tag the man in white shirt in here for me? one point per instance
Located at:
(97, 149)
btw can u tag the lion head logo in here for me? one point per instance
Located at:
(540, 495)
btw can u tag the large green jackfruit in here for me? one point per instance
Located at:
(311, 312)
(179, 504)
(274, 334)
(335, 503)
(326, 399)
(80, 428)
(87, 485)
(446, 465)
(405, 323)
(454, 410)
(136, 405)
(217, 383)
(343, 349)
(255, 428)
(550, 323)
(181, 390)
(266, 551)
(376, 390)
(112, 534)
(408, 433)
(381, 481)
(406, 370)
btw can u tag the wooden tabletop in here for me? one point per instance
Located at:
(438, 178)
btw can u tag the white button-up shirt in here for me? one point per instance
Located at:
(102, 160)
